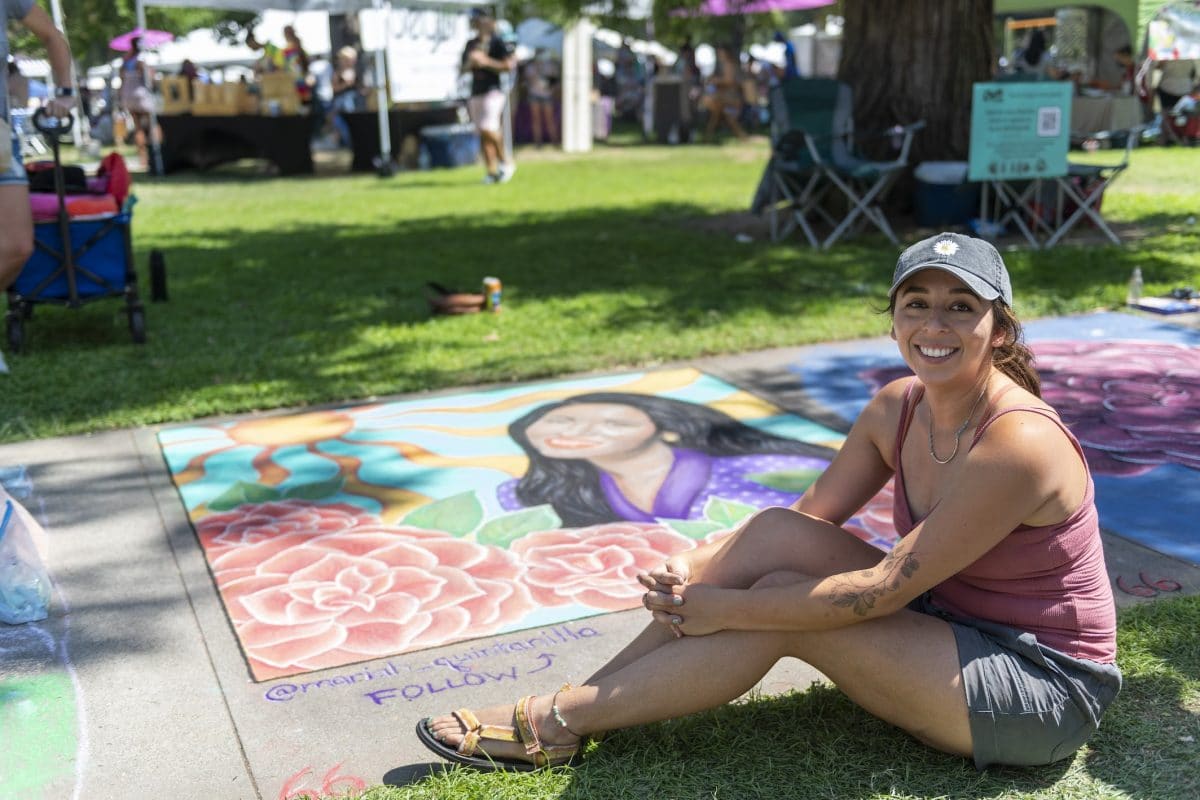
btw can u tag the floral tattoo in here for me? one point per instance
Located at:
(893, 569)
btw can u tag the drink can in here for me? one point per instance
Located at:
(491, 292)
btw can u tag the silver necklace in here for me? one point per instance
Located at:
(957, 434)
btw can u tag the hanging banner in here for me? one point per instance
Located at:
(1174, 34)
(1019, 131)
(424, 47)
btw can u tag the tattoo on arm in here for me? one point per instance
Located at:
(887, 577)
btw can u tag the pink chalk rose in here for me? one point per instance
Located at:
(249, 524)
(303, 602)
(1132, 405)
(595, 566)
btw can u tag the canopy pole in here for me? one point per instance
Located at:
(385, 168)
(577, 114)
(506, 116)
(156, 163)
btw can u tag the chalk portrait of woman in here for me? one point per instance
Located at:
(607, 456)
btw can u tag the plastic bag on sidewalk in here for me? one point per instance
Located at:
(24, 582)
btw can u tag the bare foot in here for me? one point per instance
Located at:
(448, 730)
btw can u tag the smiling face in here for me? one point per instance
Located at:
(945, 331)
(592, 430)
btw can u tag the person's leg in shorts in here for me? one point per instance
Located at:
(486, 111)
(1027, 704)
(16, 233)
(541, 117)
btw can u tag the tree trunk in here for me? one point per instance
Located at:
(909, 60)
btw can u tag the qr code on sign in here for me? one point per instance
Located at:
(1049, 121)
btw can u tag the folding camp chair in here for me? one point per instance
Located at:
(1083, 188)
(789, 188)
(816, 155)
(863, 182)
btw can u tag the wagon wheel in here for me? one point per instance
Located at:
(137, 325)
(16, 331)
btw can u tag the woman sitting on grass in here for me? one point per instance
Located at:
(988, 631)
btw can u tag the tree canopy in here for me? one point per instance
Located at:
(90, 24)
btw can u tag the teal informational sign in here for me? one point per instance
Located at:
(1019, 130)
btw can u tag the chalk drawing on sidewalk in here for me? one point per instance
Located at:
(344, 536)
(305, 784)
(43, 721)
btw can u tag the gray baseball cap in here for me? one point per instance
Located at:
(973, 261)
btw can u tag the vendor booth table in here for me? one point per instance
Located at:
(402, 122)
(1104, 112)
(1019, 141)
(200, 142)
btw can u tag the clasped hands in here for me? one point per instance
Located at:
(687, 608)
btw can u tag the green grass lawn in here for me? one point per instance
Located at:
(301, 291)
(288, 292)
(816, 744)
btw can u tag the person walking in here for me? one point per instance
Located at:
(487, 57)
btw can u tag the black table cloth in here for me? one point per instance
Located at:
(402, 122)
(200, 142)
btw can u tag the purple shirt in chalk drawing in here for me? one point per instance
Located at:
(693, 479)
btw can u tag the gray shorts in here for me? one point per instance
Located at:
(15, 174)
(1029, 704)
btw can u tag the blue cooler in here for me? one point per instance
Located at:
(450, 145)
(943, 196)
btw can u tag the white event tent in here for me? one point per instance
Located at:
(332, 6)
(577, 62)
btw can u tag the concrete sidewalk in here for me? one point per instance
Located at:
(136, 686)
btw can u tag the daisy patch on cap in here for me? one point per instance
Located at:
(945, 247)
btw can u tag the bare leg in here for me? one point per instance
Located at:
(903, 668)
(16, 234)
(774, 539)
(551, 124)
(714, 118)
(491, 146)
(734, 125)
(141, 128)
(535, 120)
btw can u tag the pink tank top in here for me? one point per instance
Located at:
(1050, 581)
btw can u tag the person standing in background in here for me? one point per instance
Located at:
(1177, 79)
(347, 93)
(16, 231)
(290, 58)
(1034, 60)
(136, 98)
(541, 73)
(723, 96)
(791, 69)
(486, 57)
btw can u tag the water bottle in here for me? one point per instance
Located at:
(1135, 287)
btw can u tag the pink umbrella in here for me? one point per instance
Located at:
(724, 8)
(150, 39)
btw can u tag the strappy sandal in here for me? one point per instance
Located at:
(525, 733)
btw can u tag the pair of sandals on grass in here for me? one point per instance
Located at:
(475, 734)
